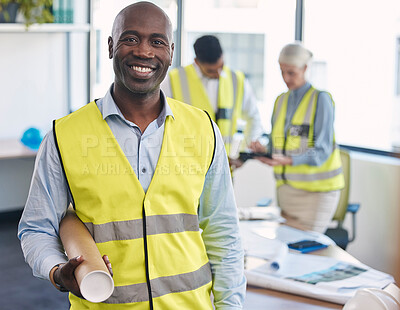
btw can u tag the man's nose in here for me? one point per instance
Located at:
(143, 50)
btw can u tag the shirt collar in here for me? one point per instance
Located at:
(299, 92)
(202, 76)
(109, 107)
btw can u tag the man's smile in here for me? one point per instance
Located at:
(141, 71)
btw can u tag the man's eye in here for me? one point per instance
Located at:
(129, 40)
(158, 42)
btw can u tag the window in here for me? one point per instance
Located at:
(237, 49)
(251, 34)
(398, 68)
(355, 46)
(396, 108)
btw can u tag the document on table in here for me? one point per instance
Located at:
(289, 234)
(309, 275)
(318, 277)
(264, 238)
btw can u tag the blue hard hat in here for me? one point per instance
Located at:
(32, 138)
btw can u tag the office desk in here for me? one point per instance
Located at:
(261, 298)
(16, 167)
(13, 148)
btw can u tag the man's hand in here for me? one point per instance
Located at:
(64, 275)
(257, 147)
(108, 264)
(276, 160)
(235, 163)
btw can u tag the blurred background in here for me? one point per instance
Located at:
(51, 69)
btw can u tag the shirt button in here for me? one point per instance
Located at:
(144, 170)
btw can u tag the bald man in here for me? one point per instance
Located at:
(150, 179)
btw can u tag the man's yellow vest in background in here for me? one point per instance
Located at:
(187, 87)
(299, 140)
(152, 239)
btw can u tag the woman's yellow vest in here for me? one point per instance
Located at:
(153, 238)
(187, 87)
(300, 140)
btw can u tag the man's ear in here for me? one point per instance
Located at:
(172, 53)
(110, 47)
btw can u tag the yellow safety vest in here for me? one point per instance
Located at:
(299, 140)
(187, 87)
(153, 238)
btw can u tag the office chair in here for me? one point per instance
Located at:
(339, 234)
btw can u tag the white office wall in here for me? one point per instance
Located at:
(79, 68)
(252, 182)
(32, 81)
(375, 184)
(33, 74)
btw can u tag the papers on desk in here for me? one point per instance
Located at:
(270, 213)
(289, 234)
(275, 252)
(309, 275)
(318, 277)
(264, 238)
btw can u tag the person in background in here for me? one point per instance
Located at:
(212, 86)
(167, 223)
(306, 159)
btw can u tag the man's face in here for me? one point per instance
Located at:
(293, 76)
(212, 71)
(141, 47)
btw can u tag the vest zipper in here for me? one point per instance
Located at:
(146, 258)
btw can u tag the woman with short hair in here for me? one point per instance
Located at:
(305, 158)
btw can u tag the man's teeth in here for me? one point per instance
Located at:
(141, 69)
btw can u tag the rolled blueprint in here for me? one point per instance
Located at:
(92, 275)
(278, 259)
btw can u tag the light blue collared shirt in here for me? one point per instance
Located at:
(49, 197)
(323, 126)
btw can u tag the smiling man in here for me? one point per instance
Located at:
(161, 209)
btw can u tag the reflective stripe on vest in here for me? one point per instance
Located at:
(187, 87)
(152, 239)
(299, 140)
(310, 177)
(133, 229)
(161, 286)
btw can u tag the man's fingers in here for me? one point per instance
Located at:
(72, 264)
(65, 275)
(256, 146)
(108, 264)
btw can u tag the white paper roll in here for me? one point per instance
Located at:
(97, 286)
(276, 262)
